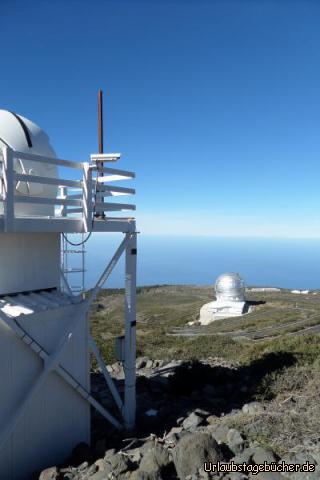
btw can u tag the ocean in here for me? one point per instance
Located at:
(199, 260)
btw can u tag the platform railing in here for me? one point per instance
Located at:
(80, 198)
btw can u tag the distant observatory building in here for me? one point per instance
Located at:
(230, 290)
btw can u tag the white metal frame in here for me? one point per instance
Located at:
(78, 219)
(51, 363)
(78, 207)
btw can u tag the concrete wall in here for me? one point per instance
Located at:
(57, 418)
(29, 261)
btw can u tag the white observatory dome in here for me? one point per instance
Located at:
(230, 287)
(22, 135)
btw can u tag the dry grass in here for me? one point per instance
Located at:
(291, 421)
(160, 309)
(291, 395)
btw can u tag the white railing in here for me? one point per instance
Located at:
(80, 198)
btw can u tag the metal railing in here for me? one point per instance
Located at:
(77, 198)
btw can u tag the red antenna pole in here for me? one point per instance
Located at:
(100, 145)
(100, 122)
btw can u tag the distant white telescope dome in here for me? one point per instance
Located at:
(230, 287)
(21, 134)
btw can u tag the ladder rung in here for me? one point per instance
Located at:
(77, 267)
(74, 270)
(73, 251)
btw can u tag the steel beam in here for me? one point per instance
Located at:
(106, 374)
(130, 332)
(60, 370)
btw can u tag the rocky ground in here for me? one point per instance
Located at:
(243, 389)
(190, 413)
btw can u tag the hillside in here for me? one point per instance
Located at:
(239, 390)
(275, 348)
(163, 312)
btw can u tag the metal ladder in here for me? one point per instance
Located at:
(73, 270)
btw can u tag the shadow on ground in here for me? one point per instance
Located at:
(215, 389)
(252, 303)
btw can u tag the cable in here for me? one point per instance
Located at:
(76, 244)
(93, 216)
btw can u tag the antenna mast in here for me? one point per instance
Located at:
(100, 146)
(100, 122)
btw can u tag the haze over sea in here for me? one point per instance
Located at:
(282, 263)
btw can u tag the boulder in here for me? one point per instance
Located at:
(156, 461)
(109, 453)
(147, 445)
(316, 454)
(252, 408)
(212, 419)
(235, 476)
(174, 435)
(91, 470)
(261, 455)
(192, 451)
(118, 464)
(235, 441)
(192, 421)
(68, 474)
(100, 464)
(220, 433)
(49, 474)
(116, 367)
(135, 455)
(141, 362)
(98, 476)
(303, 457)
(173, 364)
(244, 456)
(201, 412)
(267, 476)
(149, 364)
(140, 475)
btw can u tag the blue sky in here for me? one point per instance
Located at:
(214, 104)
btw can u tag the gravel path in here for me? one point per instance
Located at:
(261, 334)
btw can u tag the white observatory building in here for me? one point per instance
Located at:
(230, 299)
(45, 337)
